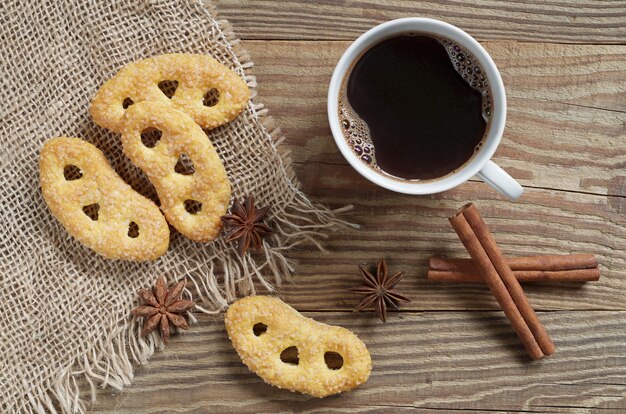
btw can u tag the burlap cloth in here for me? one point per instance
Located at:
(63, 309)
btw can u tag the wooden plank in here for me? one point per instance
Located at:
(585, 152)
(558, 135)
(409, 229)
(431, 361)
(565, 142)
(580, 21)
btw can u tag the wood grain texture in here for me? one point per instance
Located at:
(408, 230)
(564, 67)
(566, 122)
(436, 360)
(549, 143)
(579, 21)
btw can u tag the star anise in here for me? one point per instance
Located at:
(162, 307)
(379, 290)
(246, 224)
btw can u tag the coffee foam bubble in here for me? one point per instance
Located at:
(470, 70)
(357, 133)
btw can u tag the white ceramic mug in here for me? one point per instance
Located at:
(480, 165)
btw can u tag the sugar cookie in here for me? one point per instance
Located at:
(159, 139)
(96, 206)
(198, 85)
(263, 329)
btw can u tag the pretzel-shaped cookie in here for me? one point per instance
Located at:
(96, 206)
(193, 200)
(263, 329)
(204, 89)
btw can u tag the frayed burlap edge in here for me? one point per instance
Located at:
(111, 362)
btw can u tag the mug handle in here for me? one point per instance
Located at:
(500, 180)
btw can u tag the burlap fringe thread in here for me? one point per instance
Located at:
(110, 362)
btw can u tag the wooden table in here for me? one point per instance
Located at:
(564, 68)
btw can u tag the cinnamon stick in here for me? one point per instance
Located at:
(487, 256)
(554, 263)
(568, 268)
(522, 276)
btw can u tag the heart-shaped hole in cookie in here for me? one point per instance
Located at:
(290, 356)
(127, 102)
(211, 98)
(259, 329)
(193, 206)
(184, 165)
(333, 360)
(150, 136)
(91, 211)
(168, 87)
(133, 230)
(72, 172)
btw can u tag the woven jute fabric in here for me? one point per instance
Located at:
(64, 321)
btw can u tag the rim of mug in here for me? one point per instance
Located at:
(432, 26)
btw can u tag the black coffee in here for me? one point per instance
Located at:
(415, 106)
